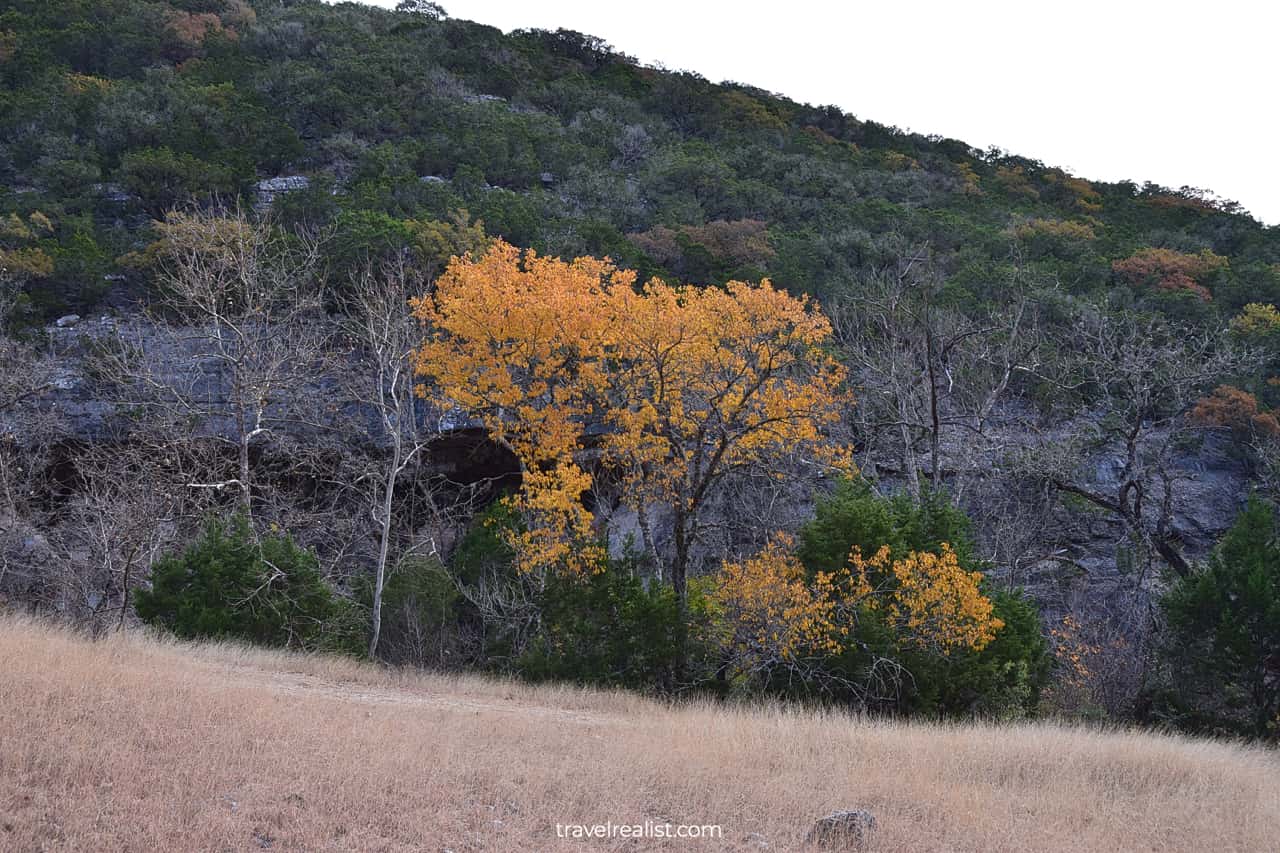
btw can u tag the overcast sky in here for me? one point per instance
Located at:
(1175, 92)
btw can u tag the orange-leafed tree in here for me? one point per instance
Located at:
(778, 616)
(1238, 411)
(773, 614)
(931, 601)
(679, 387)
(1170, 270)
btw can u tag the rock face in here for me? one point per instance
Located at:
(270, 188)
(843, 830)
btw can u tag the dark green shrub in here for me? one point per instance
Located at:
(164, 179)
(420, 615)
(1222, 650)
(609, 628)
(268, 591)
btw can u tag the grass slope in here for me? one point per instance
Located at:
(130, 743)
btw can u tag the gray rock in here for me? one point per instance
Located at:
(844, 830)
(114, 194)
(270, 188)
(67, 322)
(65, 380)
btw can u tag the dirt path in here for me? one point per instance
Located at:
(303, 684)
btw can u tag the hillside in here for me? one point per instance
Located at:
(127, 743)
(347, 329)
(114, 112)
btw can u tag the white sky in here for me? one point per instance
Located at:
(1180, 93)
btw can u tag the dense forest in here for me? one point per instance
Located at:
(1057, 394)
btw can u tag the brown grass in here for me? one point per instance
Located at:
(132, 743)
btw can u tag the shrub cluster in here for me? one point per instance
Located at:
(232, 584)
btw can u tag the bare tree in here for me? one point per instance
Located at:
(380, 324)
(227, 351)
(1136, 378)
(29, 433)
(124, 512)
(931, 376)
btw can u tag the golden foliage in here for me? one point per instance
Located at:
(819, 134)
(85, 84)
(12, 228)
(681, 383)
(40, 224)
(436, 241)
(1014, 180)
(1073, 653)
(1056, 228)
(775, 614)
(969, 182)
(930, 598)
(26, 263)
(220, 241)
(896, 161)
(1256, 320)
(746, 111)
(771, 610)
(1080, 192)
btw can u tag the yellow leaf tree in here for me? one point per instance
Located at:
(777, 616)
(679, 386)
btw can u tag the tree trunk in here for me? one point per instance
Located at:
(384, 547)
(246, 494)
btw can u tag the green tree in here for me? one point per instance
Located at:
(607, 628)
(1223, 647)
(267, 590)
(164, 179)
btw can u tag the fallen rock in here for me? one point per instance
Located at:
(67, 322)
(845, 830)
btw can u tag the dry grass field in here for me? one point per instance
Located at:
(130, 743)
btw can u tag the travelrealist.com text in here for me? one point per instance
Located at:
(648, 829)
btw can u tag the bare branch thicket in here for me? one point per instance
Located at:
(1267, 452)
(121, 516)
(230, 347)
(932, 378)
(31, 435)
(1136, 378)
(754, 503)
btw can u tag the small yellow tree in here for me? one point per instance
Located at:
(772, 614)
(929, 598)
(681, 386)
(775, 615)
